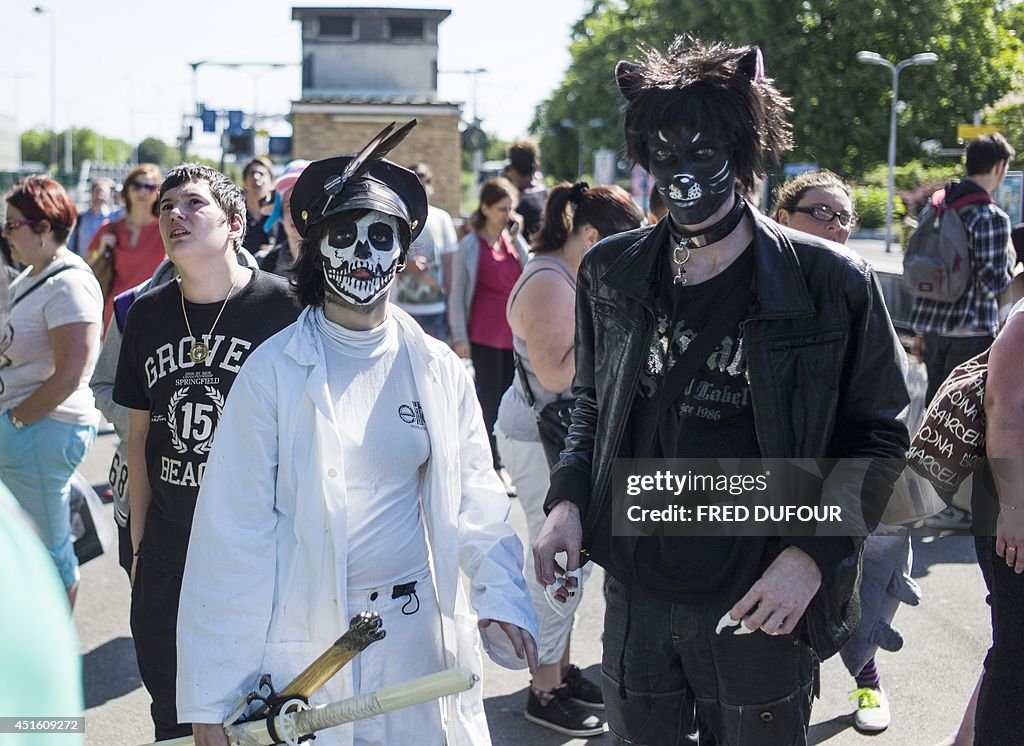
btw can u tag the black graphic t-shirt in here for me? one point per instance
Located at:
(185, 400)
(712, 418)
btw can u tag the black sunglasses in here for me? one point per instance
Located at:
(827, 215)
(143, 186)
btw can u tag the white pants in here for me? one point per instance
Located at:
(412, 647)
(528, 467)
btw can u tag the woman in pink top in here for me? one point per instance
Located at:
(134, 239)
(488, 262)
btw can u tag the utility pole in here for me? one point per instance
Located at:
(873, 58)
(40, 10)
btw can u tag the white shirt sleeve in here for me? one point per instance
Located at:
(227, 591)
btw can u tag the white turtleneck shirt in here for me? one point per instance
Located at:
(385, 450)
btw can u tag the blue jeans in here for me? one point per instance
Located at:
(680, 678)
(36, 464)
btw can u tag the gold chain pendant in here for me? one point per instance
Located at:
(199, 353)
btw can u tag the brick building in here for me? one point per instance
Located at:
(365, 67)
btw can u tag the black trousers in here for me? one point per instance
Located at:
(686, 685)
(493, 368)
(998, 719)
(124, 549)
(154, 619)
(942, 354)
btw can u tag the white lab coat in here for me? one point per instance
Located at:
(265, 581)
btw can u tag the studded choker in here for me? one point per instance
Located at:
(686, 242)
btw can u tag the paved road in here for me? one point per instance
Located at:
(874, 251)
(928, 681)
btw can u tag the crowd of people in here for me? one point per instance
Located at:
(316, 320)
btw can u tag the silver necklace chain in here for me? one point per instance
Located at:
(683, 245)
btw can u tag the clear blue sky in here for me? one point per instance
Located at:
(122, 65)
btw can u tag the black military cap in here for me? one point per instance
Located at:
(363, 180)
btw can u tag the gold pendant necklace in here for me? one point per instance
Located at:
(200, 351)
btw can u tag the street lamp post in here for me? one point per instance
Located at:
(478, 152)
(474, 77)
(580, 128)
(873, 58)
(40, 10)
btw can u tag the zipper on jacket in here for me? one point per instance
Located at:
(825, 338)
(755, 409)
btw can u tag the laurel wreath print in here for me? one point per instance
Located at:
(172, 420)
(218, 401)
(202, 448)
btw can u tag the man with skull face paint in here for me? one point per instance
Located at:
(808, 366)
(361, 257)
(352, 473)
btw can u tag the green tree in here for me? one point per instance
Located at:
(1011, 16)
(1008, 115)
(840, 107)
(35, 146)
(92, 146)
(154, 150)
(86, 144)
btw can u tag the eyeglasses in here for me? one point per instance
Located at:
(143, 186)
(827, 215)
(9, 226)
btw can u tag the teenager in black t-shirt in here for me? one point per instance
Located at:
(183, 346)
(185, 399)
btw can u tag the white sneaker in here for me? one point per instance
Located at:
(872, 714)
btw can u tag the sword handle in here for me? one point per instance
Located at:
(364, 629)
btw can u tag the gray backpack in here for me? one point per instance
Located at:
(937, 262)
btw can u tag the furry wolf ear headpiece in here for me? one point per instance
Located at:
(710, 88)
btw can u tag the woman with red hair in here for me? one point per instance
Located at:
(47, 352)
(132, 242)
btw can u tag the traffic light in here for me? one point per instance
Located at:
(235, 121)
(280, 146)
(209, 117)
(240, 144)
(474, 138)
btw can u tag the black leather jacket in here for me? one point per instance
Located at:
(825, 371)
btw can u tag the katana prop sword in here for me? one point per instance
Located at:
(297, 720)
(363, 630)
